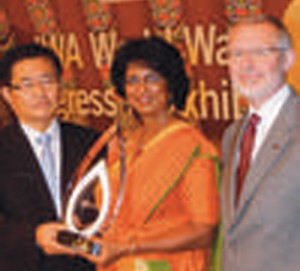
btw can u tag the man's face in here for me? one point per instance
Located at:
(258, 62)
(34, 91)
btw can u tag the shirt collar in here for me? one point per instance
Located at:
(273, 105)
(52, 130)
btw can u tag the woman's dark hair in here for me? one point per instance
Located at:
(26, 51)
(158, 55)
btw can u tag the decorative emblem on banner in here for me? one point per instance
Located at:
(239, 8)
(168, 22)
(6, 37)
(41, 15)
(98, 15)
(99, 19)
(167, 17)
(166, 13)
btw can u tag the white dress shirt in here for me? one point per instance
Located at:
(268, 113)
(54, 131)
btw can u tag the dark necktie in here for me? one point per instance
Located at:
(245, 154)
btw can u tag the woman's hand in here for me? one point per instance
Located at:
(46, 237)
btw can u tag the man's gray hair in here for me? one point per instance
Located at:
(284, 36)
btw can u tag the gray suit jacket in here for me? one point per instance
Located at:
(263, 232)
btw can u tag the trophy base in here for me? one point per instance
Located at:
(78, 242)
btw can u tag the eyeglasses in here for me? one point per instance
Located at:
(28, 84)
(149, 79)
(257, 54)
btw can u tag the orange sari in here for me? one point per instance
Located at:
(147, 209)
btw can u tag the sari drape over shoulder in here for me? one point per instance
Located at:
(168, 184)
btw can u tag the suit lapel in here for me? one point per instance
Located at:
(229, 184)
(270, 152)
(65, 168)
(69, 157)
(72, 151)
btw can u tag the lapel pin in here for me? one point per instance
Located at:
(275, 146)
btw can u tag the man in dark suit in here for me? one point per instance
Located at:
(30, 75)
(261, 152)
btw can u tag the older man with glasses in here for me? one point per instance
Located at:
(261, 152)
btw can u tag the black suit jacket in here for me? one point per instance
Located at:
(25, 201)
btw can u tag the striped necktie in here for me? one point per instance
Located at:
(47, 163)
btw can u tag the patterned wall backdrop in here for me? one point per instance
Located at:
(85, 34)
(237, 8)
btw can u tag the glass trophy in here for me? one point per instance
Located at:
(87, 209)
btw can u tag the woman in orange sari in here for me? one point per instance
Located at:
(169, 210)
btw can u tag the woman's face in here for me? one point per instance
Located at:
(146, 89)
